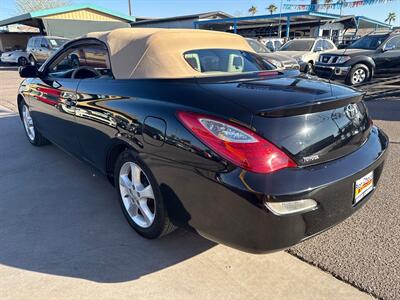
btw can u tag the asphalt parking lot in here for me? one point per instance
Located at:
(364, 249)
(62, 235)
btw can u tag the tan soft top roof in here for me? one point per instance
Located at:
(158, 53)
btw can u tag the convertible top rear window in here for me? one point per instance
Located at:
(138, 53)
(225, 61)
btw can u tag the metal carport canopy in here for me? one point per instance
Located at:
(286, 18)
(272, 19)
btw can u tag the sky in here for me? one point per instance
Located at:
(168, 8)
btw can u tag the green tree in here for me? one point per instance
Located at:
(252, 10)
(391, 18)
(27, 6)
(272, 8)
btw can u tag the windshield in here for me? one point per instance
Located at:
(225, 61)
(369, 42)
(257, 46)
(298, 45)
(56, 43)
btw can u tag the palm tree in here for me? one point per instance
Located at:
(391, 18)
(272, 8)
(252, 10)
(327, 2)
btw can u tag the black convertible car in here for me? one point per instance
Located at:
(196, 130)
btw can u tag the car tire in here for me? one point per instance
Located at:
(358, 74)
(34, 136)
(140, 197)
(32, 61)
(22, 61)
(310, 68)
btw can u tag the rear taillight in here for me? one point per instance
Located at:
(237, 144)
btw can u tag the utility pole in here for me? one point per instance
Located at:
(130, 7)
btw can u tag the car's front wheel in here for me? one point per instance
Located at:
(140, 197)
(358, 74)
(310, 68)
(22, 61)
(34, 136)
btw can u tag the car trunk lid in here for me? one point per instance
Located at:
(311, 120)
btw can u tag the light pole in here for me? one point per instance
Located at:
(130, 7)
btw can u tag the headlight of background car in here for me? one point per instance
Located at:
(343, 59)
(276, 63)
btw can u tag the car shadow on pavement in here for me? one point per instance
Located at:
(59, 216)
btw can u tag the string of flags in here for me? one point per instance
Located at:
(337, 5)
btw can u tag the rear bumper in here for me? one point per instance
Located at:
(331, 72)
(228, 207)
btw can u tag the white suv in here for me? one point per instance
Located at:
(306, 51)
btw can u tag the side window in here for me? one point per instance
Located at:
(66, 64)
(278, 45)
(30, 43)
(327, 45)
(394, 43)
(37, 43)
(96, 57)
(319, 45)
(270, 45)
(81, 63)
(44, 43)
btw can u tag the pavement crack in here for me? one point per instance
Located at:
(337, 276)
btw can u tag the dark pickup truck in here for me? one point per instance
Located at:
(378, 52)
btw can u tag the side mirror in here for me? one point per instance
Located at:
(28, 71)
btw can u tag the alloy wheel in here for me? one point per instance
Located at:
(359, 75)
(28, 123)
(137, 194)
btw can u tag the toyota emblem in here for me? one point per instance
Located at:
(351, 111)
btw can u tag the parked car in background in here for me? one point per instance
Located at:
(279, 60)
(273, 44)
(196, 130)
(40, 48)
(306, 51)
(19, 57)
(376, 53)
